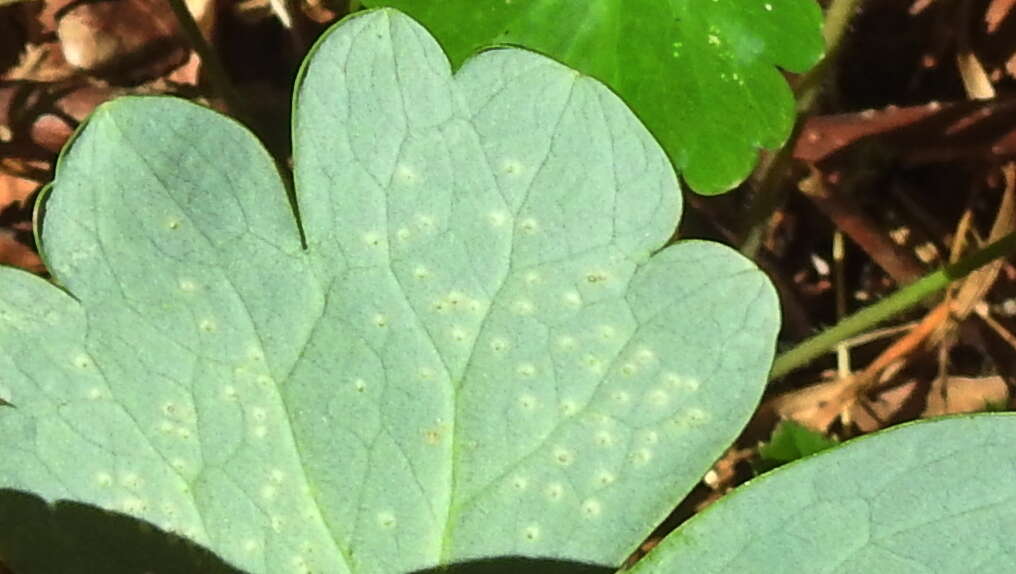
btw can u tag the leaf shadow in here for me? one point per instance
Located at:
(518, 564)
(38, 537)
(71, 537)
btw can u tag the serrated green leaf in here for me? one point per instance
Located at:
(476, 355)
(702, 74)
(790, 441)
(932, 496)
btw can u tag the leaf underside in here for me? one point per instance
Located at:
(924, 497)
(701, 74)
(467, 348)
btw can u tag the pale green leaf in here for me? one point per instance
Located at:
(926, 497)
(702, 74)
(476, 353)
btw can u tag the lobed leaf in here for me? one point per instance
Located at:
(701, 74)
(467, 348)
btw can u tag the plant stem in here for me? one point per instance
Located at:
(771, 191)
(892, 305)
(213, 68)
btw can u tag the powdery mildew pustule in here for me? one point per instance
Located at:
(554, 491)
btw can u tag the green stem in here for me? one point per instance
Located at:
(213, 68)
(771, 191)
(889, 307)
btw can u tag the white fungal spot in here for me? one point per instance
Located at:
(386, 519)
(380, 320)
(651, 437)
(95, 393)
(604, 438)
(526, 369)
(527, 401)
(645, 355)
(596, 277)
(605, 478)
(258, 414)
(130, 480)
(424, 221)
(373, 239)
(531, 533)
(421, 272)
(173, 223)
(607, 332)
(403, 234)
(520, 482)
(572, 298)
(229, 393)
(554, 491)
(250, 545)
(82, 361)
(268, 492)
(532, 277)
(426, 373)
(511, 166)
(593, 363)
(569, 408)
(259, 431)
(188, 286)
(629, 369)
(300, 564)
(454, 298)
(498, 344)
(641, 456)
(178, 464)
(133, 505)
(563, 456)
(659, 398)
(566, 342)
(678, 382)
(528, 225)
(431, 436)
(591, 508)
(406, 174)
(523, 307)
(497, 218)
(104, 478)
(696, 415)
(620, 396)
(207, 325)
(458, 334)
(359, 385)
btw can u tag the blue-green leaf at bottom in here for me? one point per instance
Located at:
(927, 497)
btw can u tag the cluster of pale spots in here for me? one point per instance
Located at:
(473, 356)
